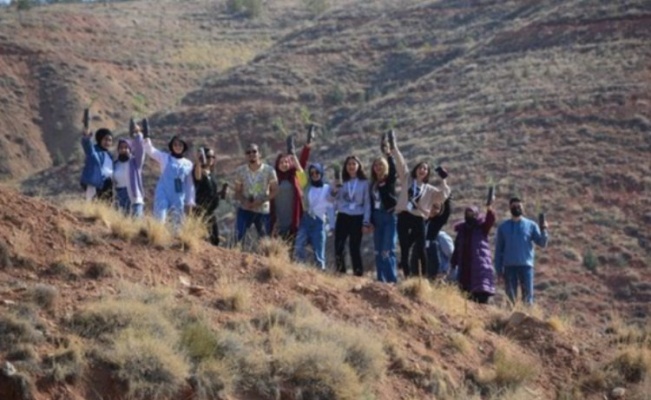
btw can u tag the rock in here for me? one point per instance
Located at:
(8, 369)
(8, 302)
(357, 288)
(618, 393)
(196, 290)
(576, 350)
(183, 267)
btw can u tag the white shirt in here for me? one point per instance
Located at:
(319, 201)
(107, 166)
(121, 174)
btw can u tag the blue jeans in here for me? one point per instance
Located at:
(122, 198)
(311, 230)
(519, 276)
(245, 218)
(384, 238)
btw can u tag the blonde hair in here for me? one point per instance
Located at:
(384, 163)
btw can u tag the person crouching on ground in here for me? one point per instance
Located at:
(175, 187)
(127, 175)
(472, 255)
(98, 165)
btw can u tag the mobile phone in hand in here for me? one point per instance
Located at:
(541, 220)
(145, 128)
(86, 118)
(491, 196)
(441, 172)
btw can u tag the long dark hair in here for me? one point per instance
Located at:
(413, 171)
(360, 171)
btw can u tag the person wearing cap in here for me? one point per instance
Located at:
(255, 185)
(98, 165)
(312, 226)
(207, 194)
(127, 175)
(353, 206)
(415, 203)
(472, 255)
(514, 251)
(175, 188)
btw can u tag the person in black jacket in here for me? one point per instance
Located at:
(383, 203)
(206, 192)
(437, 219)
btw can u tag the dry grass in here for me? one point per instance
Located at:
(512, 368)
(66, 365)
(5, 256)
(155, 233)
(234, 297)
(633, 364)
(16, 330)
(45, 296)
(192, 232)
(150, 366)
(460, 343)
(214, 379)
(560, 323)
(446, 297)
(100, 269)
(416, 288)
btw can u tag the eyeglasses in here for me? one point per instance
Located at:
(210, 157)
(252, 152)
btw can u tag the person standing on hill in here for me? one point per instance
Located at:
(127, 174)
(312, 228)
(207, 195)
(175, 187)
(438, 217)
(384, 199)
(514, 251)
(414, 206)
(255, 185)
(287, 206)
(472, 255)
(97, 173)
(353, 206)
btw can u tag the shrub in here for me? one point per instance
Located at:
(249, 8)
(66, 365)
(155, 233)
(213, 378)
(99, 270)
(512, 369)
(199, 341)
(590, 261)
(15, 330)
(44, 295)
(192, 232)
(5, 256)
(316, 7)
(633, 364)
(235, 297)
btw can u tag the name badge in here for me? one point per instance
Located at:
(351, 206)
(378, 205)
(410, 206)
(178, 185)
(427, 244)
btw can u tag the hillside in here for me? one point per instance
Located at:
(125, 59)
(548, 100)
(93, 308)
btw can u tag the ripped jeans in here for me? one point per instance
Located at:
(384, 237)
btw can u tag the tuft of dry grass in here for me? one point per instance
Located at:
(5, 256)
(234, 297)
(512, 368)
(16, 330)
(44, 296)
(66, 365)
(192, 232)
(274, 248)
(155, 233)
(99, 269)
(460, 342)
(441, 295)
(633, 364)
(151, 367)
(416, 288)
(214, 379)
(560, 323)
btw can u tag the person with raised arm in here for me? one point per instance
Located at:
(514, 251)
(384, 200)
(472, 254)
(353, 206)
(127, 173)
(207, 194)
(255, 185)
(175, 188)
(287, 206)
(414, 206)
(97, 173)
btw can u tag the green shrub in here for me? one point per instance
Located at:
(590, 261)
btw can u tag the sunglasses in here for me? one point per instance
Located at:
(210, 157)
(252, 152)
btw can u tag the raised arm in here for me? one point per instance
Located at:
(489, 221)
(189, 190)
(138, 150)
(401, 167)
(159, 156)
(539, 237)
(89, 149)
(392, 169)
(305, 156)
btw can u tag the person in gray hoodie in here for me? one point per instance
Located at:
(127, 175)
(353, 206)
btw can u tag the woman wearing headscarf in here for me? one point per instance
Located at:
(175, 187)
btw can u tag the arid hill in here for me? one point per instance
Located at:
(98, 307)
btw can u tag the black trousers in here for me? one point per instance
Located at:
(480, 297)
(433, 259)
(211, 221)
(349, 226)
(411, 232)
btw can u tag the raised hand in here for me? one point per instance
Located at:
(311, 134)
(391, 139)
(291, 145)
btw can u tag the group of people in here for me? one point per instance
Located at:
(294, 201)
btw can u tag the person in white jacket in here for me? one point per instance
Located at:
(312, 228)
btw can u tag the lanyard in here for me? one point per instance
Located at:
(351, 193)
(414, 186)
